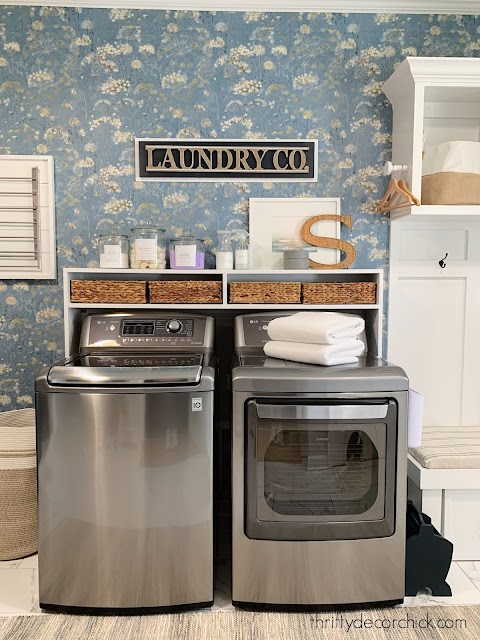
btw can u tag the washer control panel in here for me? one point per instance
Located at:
(146, 331)
(159, 328)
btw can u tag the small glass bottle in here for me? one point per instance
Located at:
(147, 248)
(187, 252)
(242, 252)
(113, 251)
(224, 256)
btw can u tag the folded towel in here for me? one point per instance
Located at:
(326, 354)
(316, 327)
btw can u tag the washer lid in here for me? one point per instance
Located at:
(274, 375)
(134, 359)
(127, 370)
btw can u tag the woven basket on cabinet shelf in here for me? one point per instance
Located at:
(265, 292)
(339, 292)
(108, 291)
(185, 291)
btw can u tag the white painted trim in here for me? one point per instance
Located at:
(415, 73)
(444, 71)
(467, 7)
(432, 479)
(432, 505)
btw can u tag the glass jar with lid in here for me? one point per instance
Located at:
(187, 252)
(113, 251)
(148, 248)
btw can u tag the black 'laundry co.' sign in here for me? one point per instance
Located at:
(226, 160)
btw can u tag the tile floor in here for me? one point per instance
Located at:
(19, 588)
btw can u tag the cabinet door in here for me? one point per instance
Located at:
(426, 339)
(434, 315)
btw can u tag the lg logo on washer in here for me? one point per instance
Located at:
(197, 404)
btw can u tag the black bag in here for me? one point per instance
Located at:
(428, 556)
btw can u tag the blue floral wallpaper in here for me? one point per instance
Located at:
(81, 84)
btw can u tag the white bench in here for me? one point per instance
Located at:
(444, 482)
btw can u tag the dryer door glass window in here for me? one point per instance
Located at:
(321, 471)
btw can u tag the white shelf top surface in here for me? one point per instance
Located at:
(236, 272)
(430, 211)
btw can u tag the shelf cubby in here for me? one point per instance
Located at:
(75, 311)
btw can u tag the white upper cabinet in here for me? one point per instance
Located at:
(435, 100)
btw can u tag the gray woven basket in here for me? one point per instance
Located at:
(18, 484)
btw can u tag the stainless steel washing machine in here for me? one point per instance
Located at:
(318, 478)
(124, 445)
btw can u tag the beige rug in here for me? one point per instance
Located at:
(407, 623)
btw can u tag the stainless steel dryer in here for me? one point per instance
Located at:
(124, 445)
(318, 478)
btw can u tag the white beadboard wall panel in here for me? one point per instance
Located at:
(446, 130)
(432, 343)
(446, 121)
(462, 522)
(474, 245)
(424, 244)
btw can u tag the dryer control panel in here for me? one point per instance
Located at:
(251, 330)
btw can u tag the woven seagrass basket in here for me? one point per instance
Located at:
(258, 292)
(122, 291)
(185, 291)
(339, 292)
(18, 484)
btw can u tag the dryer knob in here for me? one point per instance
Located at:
(174, 326)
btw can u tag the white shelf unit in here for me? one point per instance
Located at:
(441, 97)
(74, 312)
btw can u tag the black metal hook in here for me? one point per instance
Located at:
(442, 262)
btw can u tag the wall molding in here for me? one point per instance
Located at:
(466, 7)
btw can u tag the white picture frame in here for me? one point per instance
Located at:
(271, 218)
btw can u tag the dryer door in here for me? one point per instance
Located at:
(320, 471)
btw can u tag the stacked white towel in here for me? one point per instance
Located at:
(316, 327)
(316, 337)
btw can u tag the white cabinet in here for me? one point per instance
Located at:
(434, 316)
(434, 313)
(436, 100)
